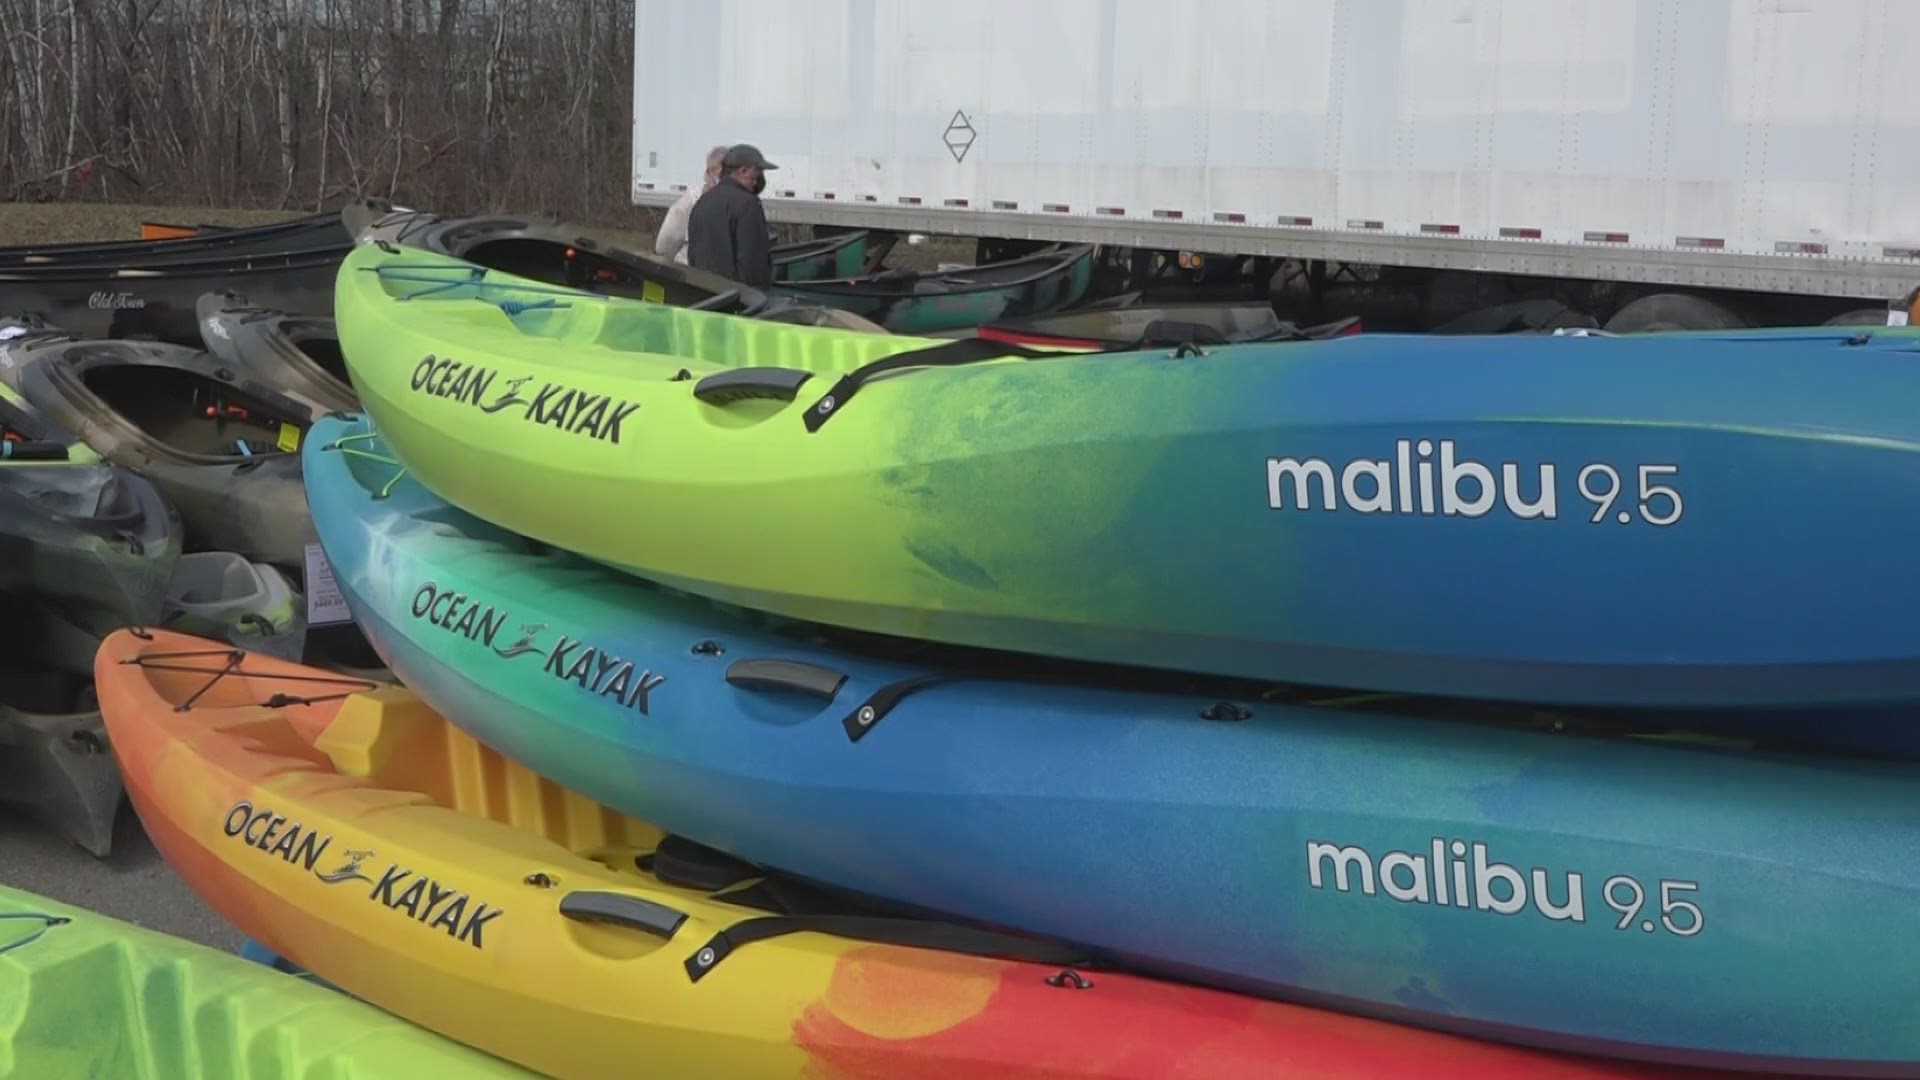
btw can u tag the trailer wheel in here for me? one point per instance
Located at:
(1871, 316)
(1672, 311)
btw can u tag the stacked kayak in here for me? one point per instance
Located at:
(1390, 865)
(219, 445)
(919, 301)
(363, 838)
(83, 995)
(1572, 520)
(323, 230)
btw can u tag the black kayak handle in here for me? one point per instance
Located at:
(620, 909)
(33, 451)
(811, 679)
(743, 384)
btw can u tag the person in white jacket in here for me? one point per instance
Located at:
(672, 240)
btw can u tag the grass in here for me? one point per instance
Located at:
(57, 223)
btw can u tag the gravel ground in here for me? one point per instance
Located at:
(133, 883)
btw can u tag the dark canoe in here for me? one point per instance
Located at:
(909, 302)
(158, 301)
(562, 253)
(842, 256)
(1113, 327)
(301, 234)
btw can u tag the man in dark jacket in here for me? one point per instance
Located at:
(727, 231)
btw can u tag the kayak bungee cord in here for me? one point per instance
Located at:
(47, 922)
(235, 658)
(369, 436)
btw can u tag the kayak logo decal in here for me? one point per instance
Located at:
(1460, 875)
(569, 659)
(433, 905)
(555, 405)
(267, 831)
(1413, 482)
(424, 899)
(115, 301)
(349, 870)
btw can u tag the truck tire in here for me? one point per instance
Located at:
(1672, 311)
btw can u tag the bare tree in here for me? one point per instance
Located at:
(457, 105)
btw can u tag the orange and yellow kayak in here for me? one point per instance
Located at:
(355, 832)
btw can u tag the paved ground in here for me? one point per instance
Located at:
(133, 883)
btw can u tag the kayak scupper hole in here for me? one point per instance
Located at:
(541, 880)
(709, 648)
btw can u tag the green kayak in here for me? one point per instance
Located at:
(82, 995)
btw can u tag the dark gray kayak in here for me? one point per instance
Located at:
(914, 301)
(299, 354)
(95, 543)
(301, 234)
(158, 301)
(55, 762)
(220, 446)
(561, 253)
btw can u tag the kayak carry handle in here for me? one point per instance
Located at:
(811, 679)
(32, 450)
(620, 909)
(746, 384)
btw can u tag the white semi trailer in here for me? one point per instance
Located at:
(1740, 151)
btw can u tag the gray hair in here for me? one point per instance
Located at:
(714, 157)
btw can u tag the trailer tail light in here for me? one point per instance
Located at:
(1230, 219)
(909, 200)
(1605, 237)
(1361, 223)
(1297, 222)
(1002, 204)
(1708, 243)
(956, 204)
(1169, 215)
(1055, 208)
(1520, 234)
(1901, 252)
(1440, 230)
(1799, 247)
(1110, 211)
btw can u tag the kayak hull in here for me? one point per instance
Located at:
(1197, 830)
(310, 825)
(85, 995)
(96, 544)
(1511, 517)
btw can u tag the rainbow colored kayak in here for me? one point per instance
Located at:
(369, 841)
(1710, 519)
(1468, 872)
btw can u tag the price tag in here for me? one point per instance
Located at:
(289, 439)
(325, 605)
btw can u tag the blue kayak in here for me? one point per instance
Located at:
(1594, 892)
